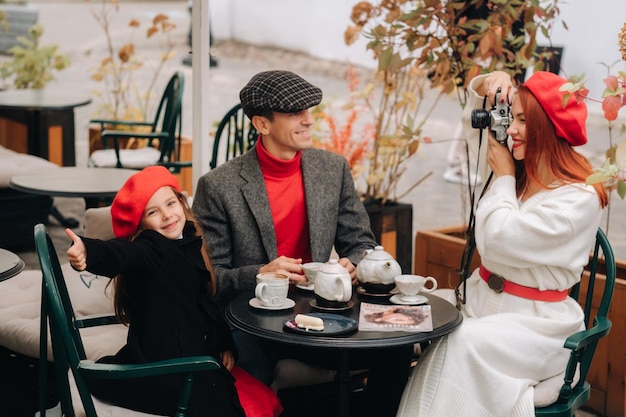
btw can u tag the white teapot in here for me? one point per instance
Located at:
(377, 270)
(333, 285)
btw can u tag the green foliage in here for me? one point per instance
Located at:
(32, 64)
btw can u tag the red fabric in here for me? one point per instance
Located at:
(285, 191)
(130, 201)
(257, 399)
(569, 117)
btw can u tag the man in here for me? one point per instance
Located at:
(282, 204)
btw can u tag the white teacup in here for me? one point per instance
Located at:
(310, 270)
(411, 285)
(271, 289)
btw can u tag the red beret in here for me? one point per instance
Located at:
(131, 200)
(570, 119)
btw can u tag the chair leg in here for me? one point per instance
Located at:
(65, 221)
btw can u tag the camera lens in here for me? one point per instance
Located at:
(480, 119)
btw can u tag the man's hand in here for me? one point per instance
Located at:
(347, 263)
(292, 267)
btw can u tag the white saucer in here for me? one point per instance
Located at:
(255, 303)
(417, 299)
(309, 287)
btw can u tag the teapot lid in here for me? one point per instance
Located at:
(333, 267)
(378, 254)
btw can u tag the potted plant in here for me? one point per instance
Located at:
(122, 97)
(425, 50)
(32, 64)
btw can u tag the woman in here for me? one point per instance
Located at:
(535, 227)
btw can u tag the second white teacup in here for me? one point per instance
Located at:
(271, 288)
(310, 270)
(411, 285)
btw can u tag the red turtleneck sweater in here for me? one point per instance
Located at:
(285, 189)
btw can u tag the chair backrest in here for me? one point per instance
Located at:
(234, 136)
(583, 344)
(602, 249)
(168, 118)
(58, 313)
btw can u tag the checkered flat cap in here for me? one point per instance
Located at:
(279, 91)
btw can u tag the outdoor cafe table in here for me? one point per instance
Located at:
(10, 264)
(268, 324)
(91, 184)
(48, 115)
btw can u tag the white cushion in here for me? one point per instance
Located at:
(98, 223)
(14, 163)
(20, 309)
(130, 158)
(547, 391)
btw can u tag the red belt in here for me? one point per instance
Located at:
(499, 284)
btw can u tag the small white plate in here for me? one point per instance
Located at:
(309, 287)
(255, 303)
(417, 299)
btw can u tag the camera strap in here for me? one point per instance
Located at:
(470, 245)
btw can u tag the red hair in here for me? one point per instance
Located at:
(563, 162)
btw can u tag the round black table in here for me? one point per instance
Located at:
(91, 184)
(268, 324)
(10, 264)
(40, 110)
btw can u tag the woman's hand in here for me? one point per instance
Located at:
(494, 81)
(499, 158)
(228, 359)
(77, 253)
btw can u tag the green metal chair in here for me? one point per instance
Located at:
(68, 349)
(234, 136)
(165, 128)
(583, 344)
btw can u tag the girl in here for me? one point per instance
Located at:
(535, 227)
(163, 290)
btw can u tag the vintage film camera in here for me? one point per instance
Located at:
(497, 119)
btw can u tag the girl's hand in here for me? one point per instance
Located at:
(228, 359)
(77, 253)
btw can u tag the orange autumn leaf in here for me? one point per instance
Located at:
(611, 106)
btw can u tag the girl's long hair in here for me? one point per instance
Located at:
(543, 146)
(125, 287)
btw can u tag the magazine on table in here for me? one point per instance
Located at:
(394, 318)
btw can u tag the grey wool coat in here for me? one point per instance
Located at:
(232, 205)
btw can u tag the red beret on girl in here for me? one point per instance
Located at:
(569, 119)
(131, 200)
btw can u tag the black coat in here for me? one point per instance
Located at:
(173, 316)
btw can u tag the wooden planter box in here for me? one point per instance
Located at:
(438, 253)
